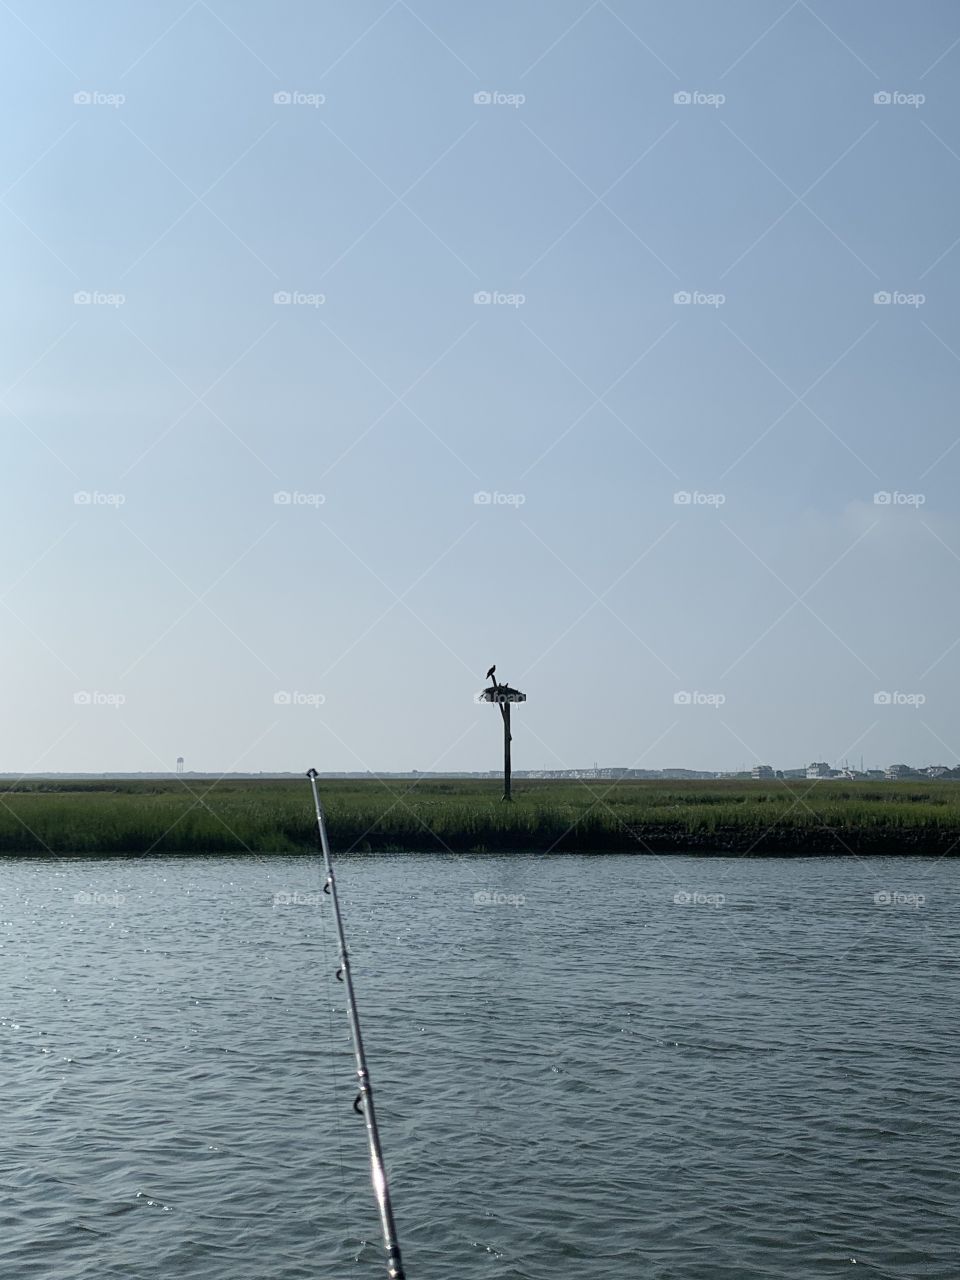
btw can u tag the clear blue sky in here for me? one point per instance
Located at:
(198, 599)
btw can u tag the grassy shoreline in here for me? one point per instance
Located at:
(63, 818)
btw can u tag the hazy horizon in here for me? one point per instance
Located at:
(349, 351)
(494, 772)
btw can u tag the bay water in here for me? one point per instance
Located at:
(597, 1067)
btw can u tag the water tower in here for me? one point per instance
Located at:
(179, 764)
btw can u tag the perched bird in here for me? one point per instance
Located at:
(489, 675)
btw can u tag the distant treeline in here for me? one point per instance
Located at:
(163, 816)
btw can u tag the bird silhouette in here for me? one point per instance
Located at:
(489, 675)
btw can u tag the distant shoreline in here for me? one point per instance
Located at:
(597, 775)
(162, 817)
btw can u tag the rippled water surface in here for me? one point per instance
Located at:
(592, 1080)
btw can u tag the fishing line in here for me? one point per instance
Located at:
(363, 1103)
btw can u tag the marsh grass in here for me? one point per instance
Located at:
(266, 816)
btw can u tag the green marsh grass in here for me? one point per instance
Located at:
(65, 817)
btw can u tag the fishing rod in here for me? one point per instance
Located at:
(363, 1103)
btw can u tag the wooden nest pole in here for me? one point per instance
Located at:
(504, 696)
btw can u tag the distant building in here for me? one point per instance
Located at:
(820, 769)
(894, 771)
(763, 771)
